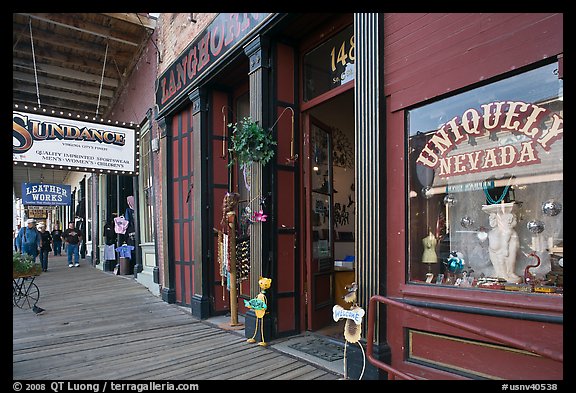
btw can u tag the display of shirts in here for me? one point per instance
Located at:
(120, 224)
(125, 251)
(109, 253)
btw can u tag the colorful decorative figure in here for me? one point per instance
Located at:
(259, 304)
(353, 326)
(455, 263)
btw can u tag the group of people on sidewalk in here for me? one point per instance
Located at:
(36, 240)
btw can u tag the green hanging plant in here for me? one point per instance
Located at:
(250, 143)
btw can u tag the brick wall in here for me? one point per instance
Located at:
(175, 32)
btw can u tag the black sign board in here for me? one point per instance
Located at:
(223, 34)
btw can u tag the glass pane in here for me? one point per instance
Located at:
(485, 186)
(330, 64)
(321, 226)
(321, 160)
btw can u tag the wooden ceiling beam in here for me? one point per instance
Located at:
(69, 22)
(47, 92)
(61, 84)
(139, 19)
(49, 56)
(56, 104)
(66, 73)
(44, 38)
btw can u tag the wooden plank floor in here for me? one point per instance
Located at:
(98, 326)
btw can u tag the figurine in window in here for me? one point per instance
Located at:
(503, 241)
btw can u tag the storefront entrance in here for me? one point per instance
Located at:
(329, 202)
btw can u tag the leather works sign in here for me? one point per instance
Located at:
(223, 34)
(61, 143)
(527, 126)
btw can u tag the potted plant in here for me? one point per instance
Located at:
(251, 143)
(23, 265)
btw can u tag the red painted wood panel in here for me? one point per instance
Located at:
(463, 355)
(220, 164)
(176, 242)
(286, 320)
(284, 134)
(175, 158)
(178, 283)
(185, 155)
(286, 200)
(185, 205)
(429, 55)
(187, 294)
(175, 200)
(285, 73)
(286, 257)
(187, 241)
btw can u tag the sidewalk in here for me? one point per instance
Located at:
(99, 326)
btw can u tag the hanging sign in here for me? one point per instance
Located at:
(70, 144)
(527, 128)
(210, 46)
(46, 194)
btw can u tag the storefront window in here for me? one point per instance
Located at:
(147, 212)
(485, 186)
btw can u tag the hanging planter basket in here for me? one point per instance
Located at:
(250, 143)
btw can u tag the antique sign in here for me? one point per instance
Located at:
(67, 143)
(528, 129)
(46, 194)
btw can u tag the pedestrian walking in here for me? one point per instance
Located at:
(45, 246)
(72, 237)
(15, 233)
(57, 240)
(28, 239)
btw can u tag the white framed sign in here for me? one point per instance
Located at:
(41, 140)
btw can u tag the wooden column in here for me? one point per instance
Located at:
(202, 229)
(258, 53)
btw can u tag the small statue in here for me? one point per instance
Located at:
(503, 241)
(259, 304)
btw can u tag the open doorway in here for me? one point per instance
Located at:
(329, 192)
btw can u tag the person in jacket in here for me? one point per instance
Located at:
(28, 239)
(72, 237)
(45, 246)
(57, 240)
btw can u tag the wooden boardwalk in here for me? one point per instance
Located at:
(98, 326)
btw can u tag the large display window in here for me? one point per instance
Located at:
(485, 186)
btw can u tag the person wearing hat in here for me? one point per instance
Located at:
(28, 240)
(45, 246)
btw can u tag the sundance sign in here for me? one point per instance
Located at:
(223, 34)
(535, 124)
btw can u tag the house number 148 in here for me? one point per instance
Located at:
(343, 54)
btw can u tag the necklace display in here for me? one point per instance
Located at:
(489, 198)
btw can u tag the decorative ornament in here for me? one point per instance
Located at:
(535, 226)
(455, 263)
(482, 234)
(259, 216)
(551, 208)
(450, 200)
(466, 222)
(259, 304)
(427, 192)
(353, 325)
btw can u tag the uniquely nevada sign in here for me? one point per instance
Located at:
(41, 194)
(67, 143)
(224, 33)
(517, 117)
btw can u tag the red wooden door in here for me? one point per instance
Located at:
(319, 223)
(181, 205)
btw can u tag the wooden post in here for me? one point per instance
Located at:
(232, 263)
